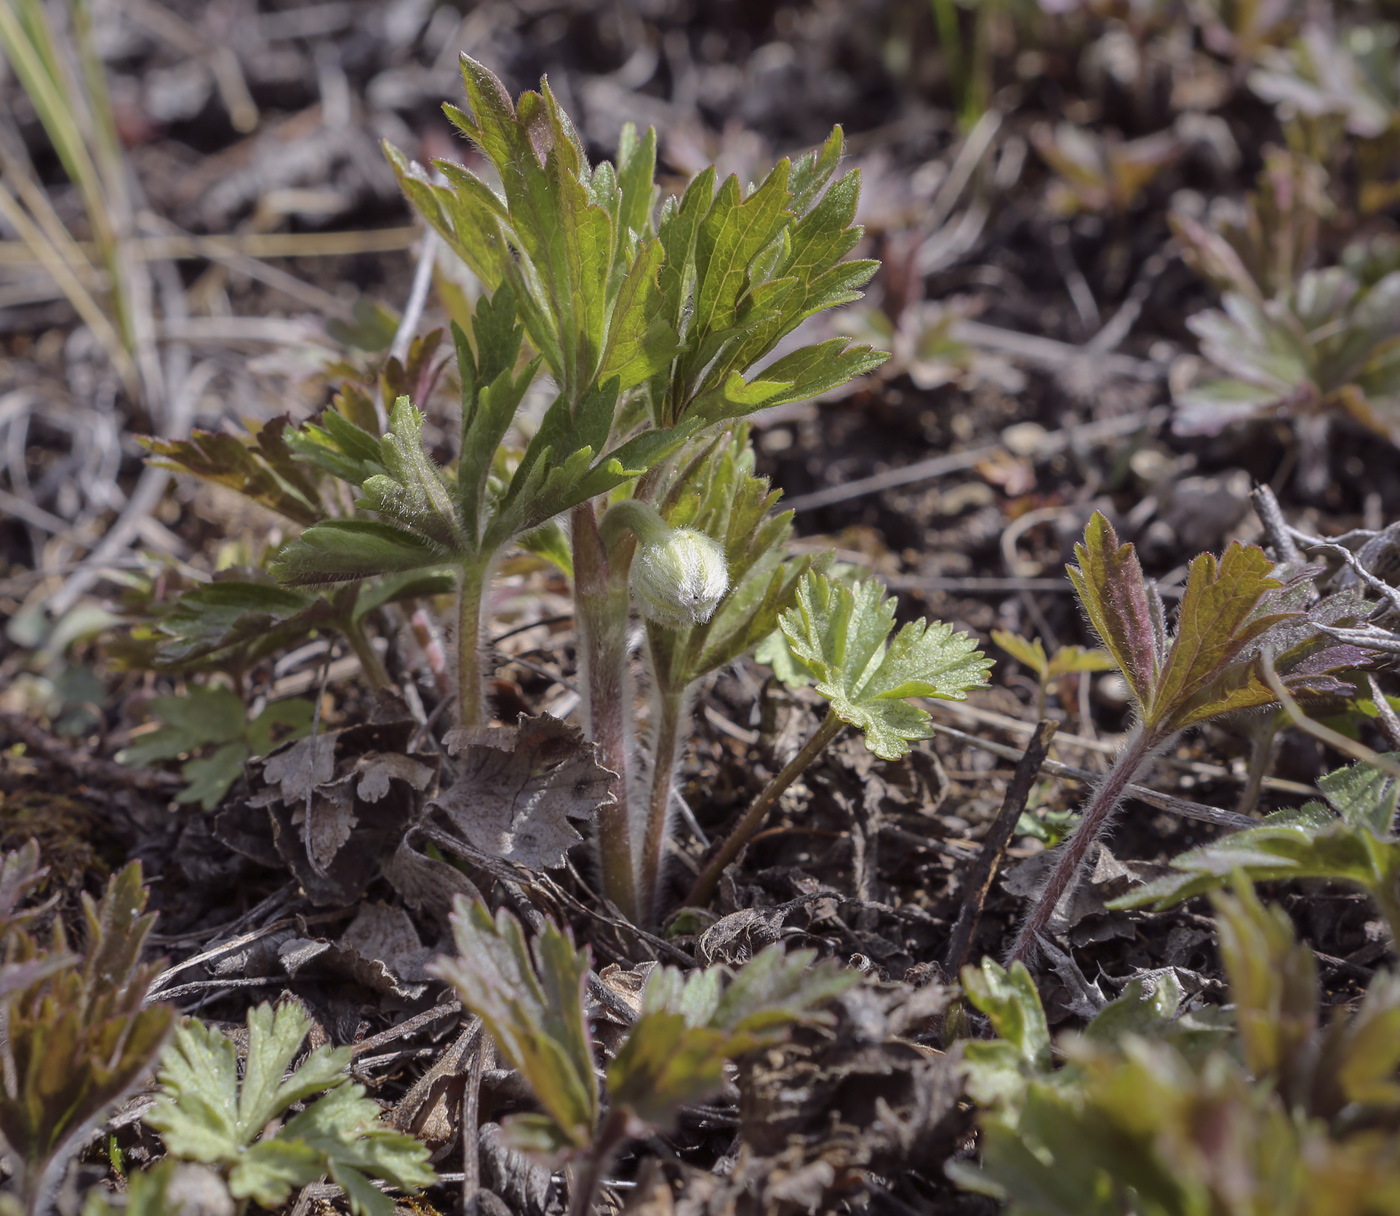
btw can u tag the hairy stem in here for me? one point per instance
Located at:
(753, 818)
(600, 607)
(370, 662)
(471, 676)
(1260, 754)
(670, 719)
(1097, 815)
(586, 1178)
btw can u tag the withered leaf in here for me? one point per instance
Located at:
(299, 768)
(363, 794)
(425, 883)
(520, 786)
(377, 769)
(327, 822)
(387, 935)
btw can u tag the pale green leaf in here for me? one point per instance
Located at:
(267, 1171)
(841, 631)
(1023, 650)
(210, 777)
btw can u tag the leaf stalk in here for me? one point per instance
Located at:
(601, 619)
(744, 830)
(1140, 748)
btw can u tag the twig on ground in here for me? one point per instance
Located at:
(1197, 768)
(81, 764)
(482, 1059)
(1325, 734)
(979, 882)
(1162, 802)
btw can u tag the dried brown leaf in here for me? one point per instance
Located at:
(519, 787)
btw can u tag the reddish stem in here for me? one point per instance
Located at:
(600, 607)
(1097, 816)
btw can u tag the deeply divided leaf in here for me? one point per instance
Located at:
(841, 632)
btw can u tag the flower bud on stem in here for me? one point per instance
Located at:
(679, 575)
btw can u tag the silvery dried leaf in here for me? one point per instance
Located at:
(519, 787)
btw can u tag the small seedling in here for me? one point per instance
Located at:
(714, 517)
(1068, 660)
(1338, 83)
(839, 636)
(209, 717)
(531, 1002)
(1349, 839)
(1101, 173)
(1232, 612)
(78, 1034)
(1261, 248)
(206, 1114)
(1324, 349)
(1302, 1113)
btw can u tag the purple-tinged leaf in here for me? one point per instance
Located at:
(1223, 611)
(1119, 602)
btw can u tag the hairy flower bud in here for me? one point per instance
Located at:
(680, 578)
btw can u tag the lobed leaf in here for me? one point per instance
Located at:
(204, 1114)
(840, 632)
(689, 1027)
(1123, 608)
(261, 467)
(532, 1005)
(340, 550)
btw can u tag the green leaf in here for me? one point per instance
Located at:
(1012, 1004)
(344, 549)
(294, 715)
(338, 446)
(641, 342)
(79, 1034)
(411, 491)
(730, 237)
(232, 623)
(259, 467)
(1023, 650)
(197, 1113)
(1079, 659)
(205, 714)
(1230, 611)
(208, 713)
(532, 1005)
(1354, 845)
(1223, 610)
(1273, 980)
(841, 631)
(210, 777)
(491, 394)
(204, 1114)
(267, 1171)
(393, 588)
(1364, 796)
(690, 1026)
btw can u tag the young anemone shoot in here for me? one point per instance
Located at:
(838, 636)
(710, 574)
(1234, 617)
(531, 1001)
(1350, 839)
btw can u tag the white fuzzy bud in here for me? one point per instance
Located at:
(680, 579)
